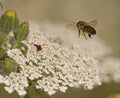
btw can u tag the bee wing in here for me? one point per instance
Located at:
(93, 23)
(71, 25)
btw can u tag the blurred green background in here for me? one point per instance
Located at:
(107, 12)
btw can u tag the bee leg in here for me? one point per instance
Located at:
(85, 35)
(79, 33)
(89, 35)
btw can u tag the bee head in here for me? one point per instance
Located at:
(80, 24)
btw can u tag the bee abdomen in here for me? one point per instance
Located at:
(90, 30)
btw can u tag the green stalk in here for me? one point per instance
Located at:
(21, 96)
(26, 96)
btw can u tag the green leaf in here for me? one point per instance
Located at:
(2, 53)
(24, 49)
(3, 38)
(21, 46)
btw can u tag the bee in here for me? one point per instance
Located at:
(84, 27)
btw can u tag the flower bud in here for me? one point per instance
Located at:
(9, 21)
(22, 32)
(9, 66)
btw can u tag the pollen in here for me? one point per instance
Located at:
(81, 32)
(11, 13)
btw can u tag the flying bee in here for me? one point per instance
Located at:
(84, 27)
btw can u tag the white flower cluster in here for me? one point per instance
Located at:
(15, 81)
(108, 65)
(57, 59)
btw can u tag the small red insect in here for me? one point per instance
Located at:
(38, 47)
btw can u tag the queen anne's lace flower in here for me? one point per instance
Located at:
(17, 82)
(63, 61)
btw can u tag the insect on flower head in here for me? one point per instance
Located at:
(38, 47)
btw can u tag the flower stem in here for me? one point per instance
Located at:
(26, 96)
(21, 97)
